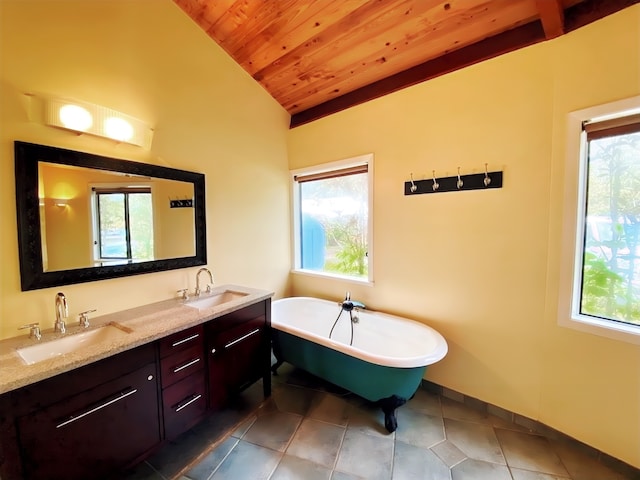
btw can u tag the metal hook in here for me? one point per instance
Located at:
(460, 183)
(435, 185)
(414, 187)
(487, 180)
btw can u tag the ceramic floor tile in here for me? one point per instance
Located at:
(472, 469)
(448, 453)
(247, 461)
(459, 411)
(530, 452)
(475, 440)
(365, 455)
(205, 468)
(518, 474)
(243, 427)
(273, 430)
(345, 476)
(426, 402)
(368, 419)
(294, 468)
(419, 429)
(582, 466)
(329, 408)
(292, 399)
(415, 463)
(317, 441)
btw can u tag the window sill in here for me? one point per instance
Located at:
(604, 328)
(333, 276)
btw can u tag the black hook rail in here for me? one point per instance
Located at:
(474, 181)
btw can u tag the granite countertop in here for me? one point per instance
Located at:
(142, 325)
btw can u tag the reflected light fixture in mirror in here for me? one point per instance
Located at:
(84, 117)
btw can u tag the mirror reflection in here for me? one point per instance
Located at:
(96, 218)
(84, 217)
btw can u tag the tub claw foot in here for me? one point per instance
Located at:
(389, 406)
(276, 366)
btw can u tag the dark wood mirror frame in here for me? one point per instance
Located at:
(32, 275)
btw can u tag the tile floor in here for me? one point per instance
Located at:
(311, 430)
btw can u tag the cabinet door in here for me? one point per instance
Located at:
(95, 432)
(236, 359)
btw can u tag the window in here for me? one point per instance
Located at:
(605, 279)
(610, 272)
(332, 222)
(123, 226)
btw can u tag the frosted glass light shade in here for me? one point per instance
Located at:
(97, 120)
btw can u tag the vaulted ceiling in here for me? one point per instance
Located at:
(317, 57)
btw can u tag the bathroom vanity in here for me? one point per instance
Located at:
(88, 414)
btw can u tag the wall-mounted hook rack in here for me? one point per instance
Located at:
(186, 203)
(456, 183)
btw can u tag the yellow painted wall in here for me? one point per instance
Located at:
(149, 60)
(482, 267)
(173, 228)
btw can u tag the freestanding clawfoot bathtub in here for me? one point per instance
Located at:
(377, 356)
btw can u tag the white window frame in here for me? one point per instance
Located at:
(573, 226)
(366, 159)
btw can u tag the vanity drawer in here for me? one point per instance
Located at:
(181, 341)
(184, 405)
(181, 364)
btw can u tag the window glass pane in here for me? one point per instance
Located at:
(141, 226)
(334, 224)
(113, 230)
(611, 261)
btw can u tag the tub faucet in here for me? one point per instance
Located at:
(62, 312)
(347, 304)
(197, 292)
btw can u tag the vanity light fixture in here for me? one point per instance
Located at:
(84, 117)
(60, 202)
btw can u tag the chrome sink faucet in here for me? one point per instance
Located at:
(62, 312)
(197, 292)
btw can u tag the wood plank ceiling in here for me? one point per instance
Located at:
(317, 57)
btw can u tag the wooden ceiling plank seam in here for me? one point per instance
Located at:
(389, 64)
(552, 17)
(354, 43)
(293, 32)
(233, 20)
(338, 32)
(500, 44)
(268, 21)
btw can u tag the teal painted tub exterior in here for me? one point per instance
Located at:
(370, 381)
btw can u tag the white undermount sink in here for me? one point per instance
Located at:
(46, 350)
(215, 300)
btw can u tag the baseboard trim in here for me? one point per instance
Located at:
(533, 426)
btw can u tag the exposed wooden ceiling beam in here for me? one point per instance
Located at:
(491, 47)
(552, 17)
(575, 17)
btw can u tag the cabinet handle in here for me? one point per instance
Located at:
(253, 332)
(186, 403)
(186, 365)
(115, 398)
(175, 344)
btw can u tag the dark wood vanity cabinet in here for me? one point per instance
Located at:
(85, 423)
(98, 419)
(239, 352)
(184, 393)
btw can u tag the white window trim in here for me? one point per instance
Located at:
(573, 227)
(295, 241)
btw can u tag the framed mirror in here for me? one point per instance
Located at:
(84, 217)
